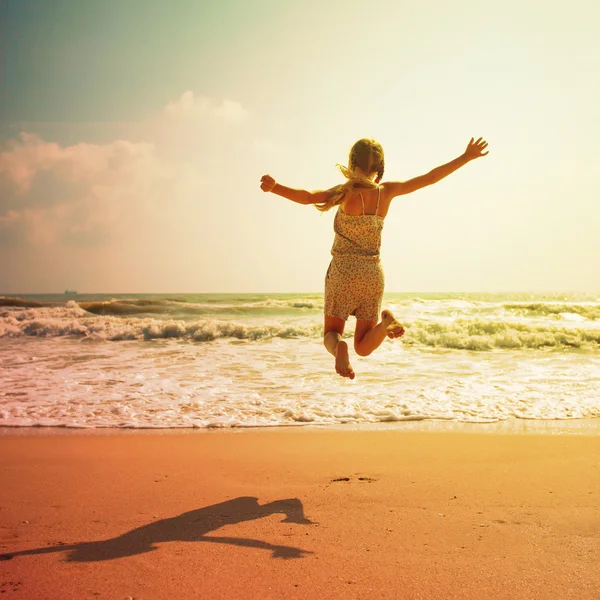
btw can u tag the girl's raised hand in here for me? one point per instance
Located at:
(267, 183)
(475, 149)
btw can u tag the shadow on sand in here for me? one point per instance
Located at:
(191, 526)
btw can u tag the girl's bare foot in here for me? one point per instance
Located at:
(342, 361)
(394, 329)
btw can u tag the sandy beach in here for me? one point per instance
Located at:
(300, 513)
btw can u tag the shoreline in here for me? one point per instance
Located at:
(554, 427)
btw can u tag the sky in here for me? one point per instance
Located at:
(133, 136)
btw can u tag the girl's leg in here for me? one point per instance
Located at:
(369, 334)
(334, 328)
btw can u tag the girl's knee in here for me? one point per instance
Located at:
(331, 334)
(360, 351)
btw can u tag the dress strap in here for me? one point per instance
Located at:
(363, 202)
(378, 194)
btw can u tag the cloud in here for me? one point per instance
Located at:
(88, 193)
(84, 193)
(198, 108)
(21, 161)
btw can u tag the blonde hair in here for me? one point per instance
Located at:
(367, 154)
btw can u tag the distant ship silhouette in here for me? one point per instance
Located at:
(70, 292)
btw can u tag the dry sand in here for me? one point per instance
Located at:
(300, 513)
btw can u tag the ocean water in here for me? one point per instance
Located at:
(246, 360)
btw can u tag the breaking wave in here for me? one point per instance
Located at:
(175, 307)
(588, 311)
(19, 302)
(463, 334)
(74, 321)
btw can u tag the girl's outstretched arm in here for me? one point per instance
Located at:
(398, 188)
(268, 184)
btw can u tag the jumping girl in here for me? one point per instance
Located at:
(354, 282)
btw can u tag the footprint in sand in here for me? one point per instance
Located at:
(7, 585)
(367, 479)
